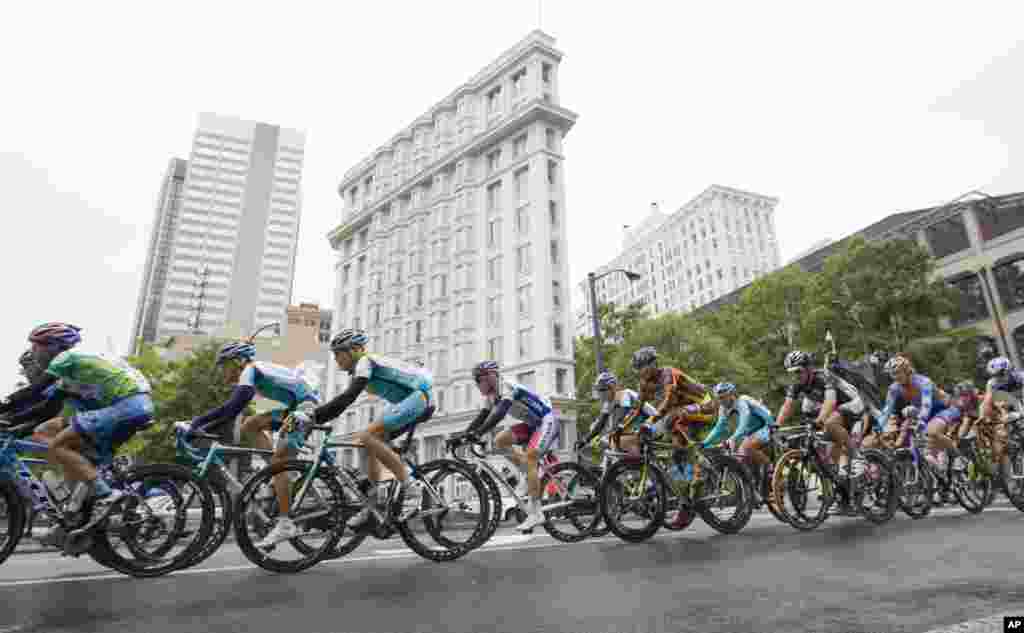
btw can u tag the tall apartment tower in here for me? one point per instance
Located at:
(717, 242)
(223, 248)
(452, 245)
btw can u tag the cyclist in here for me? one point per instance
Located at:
(274, 382)
(895, 434)
(107, 402)
(537, 428)
(618, 405)
(407, 388)
(686, 408)
(837, 403)
(910, 389)
(752, 427)
(1004, 379)
(45, 408)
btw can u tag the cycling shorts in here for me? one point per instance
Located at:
(111, 426)
(293, 438)
(540, 437)
(399, 415)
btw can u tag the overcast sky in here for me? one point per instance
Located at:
(844, 116)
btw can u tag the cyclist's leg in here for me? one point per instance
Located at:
(258, 428)
(47, 431)
(837, 426)
(542, 441)
(509, 441)
(753, 446)
(274, 420)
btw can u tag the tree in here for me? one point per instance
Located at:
(949, 358)
(182, 390)
(877, 295)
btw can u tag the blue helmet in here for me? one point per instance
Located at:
(236, 349)
(345, 340)
(999, 365)
(483, 368)
(724, 388)
(605, 380)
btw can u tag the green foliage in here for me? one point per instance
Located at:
(182, 390)
(949, 358)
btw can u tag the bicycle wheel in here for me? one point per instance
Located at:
(316, 517)
(914, 487)
(572, 489)
(624, 490)
(444, 514)
(727, 501)
(466, 508)
(1012, 473)
(801, 490)
(494, 505)
(156, 543)
(348, 539)
(878, 490)
(12, 519)
(223, 519)
(973, 487)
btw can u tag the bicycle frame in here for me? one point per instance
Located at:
(542, 466)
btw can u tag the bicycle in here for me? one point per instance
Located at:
(759, 476)
(563, 491)
(147, 537)
(806, 467)
(335, 492)
(634, 484)
(1012, 470)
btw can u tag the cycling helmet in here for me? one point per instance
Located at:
(483, 368)
(645, 357)
(725, 388)
(895, 364)
(57, 334)
(796, 359)
(605, 380)
(968, 395)
(345, 340)
(236, 349)
(998, 366)
(27, 360)
(909, 412)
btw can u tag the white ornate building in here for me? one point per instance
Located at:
(719, 241)
(452, 244)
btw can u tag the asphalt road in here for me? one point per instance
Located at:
(848, 576)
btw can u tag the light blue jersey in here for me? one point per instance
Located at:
(391, 379)
(281, 384)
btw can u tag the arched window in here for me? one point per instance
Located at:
(1018, 341)
(1009, 274)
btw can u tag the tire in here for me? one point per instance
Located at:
(173, 478)
(983, 491)
(325, 481)
(785, 486)
(441, 553)
(13, 516)
(610, 488)
(583, 514)
(884, 488)
(485, 512)
(904, 471)
(348, 542)
(727, 467)
(494, 505)
(222, 525)
(1014, 492)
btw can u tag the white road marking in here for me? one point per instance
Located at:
(990, 624)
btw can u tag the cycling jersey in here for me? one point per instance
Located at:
(753, 417)
(821, 387)
(683, 389)
(94, 381)
(949, 415)
(392, 380)
(625, 401)
(527, 405)
(919, 393)
(281, 384)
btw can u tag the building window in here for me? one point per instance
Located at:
(556, 333)
(523, 220)
(545, 73)
(523, 302)
(494, 198)
(1010, 281)
(521, 184)
(519, 146)
(493, 161)
(494, 311)
(525, 343)
(523, 259)
(361, 270)
(553, 214)
(947, 237)
(494, 100)
(972, 300)
(345, 274)
(494, 272)
(556, 294)
(561, 378)
(494, 349)
(554, 252)
(519, 84)
(994, 222)
(552, 173)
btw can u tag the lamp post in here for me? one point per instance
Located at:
(591, 280)
(276, 326)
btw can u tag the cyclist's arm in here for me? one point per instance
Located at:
(663, 407)
(785, 411)
(494, 415)
(241, 396)
(715, 436)
(40, 412)
(748, 423)
(335, 407)
(986, 403)
(28, 395)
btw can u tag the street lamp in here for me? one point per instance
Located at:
(591, 280)
(276, 326)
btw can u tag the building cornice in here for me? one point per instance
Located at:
(944, 212)
(534, 110)
(537, 40)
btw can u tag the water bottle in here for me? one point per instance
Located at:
(509, 476)
(383, 492)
